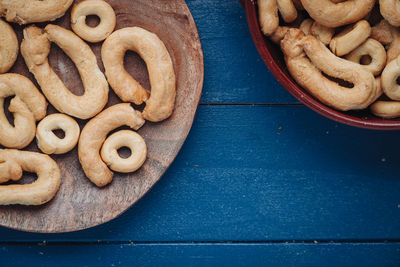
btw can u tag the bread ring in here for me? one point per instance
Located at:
(8, 47)
(386, 109)
(268, 16)
(375, 50)
(332, 15)
(12, 162)
(390, 10)
(350, 38)
(287, 10)
(35, 49)
(28, 106)
(99, 8)
(48, 142)
(30, 11)
(160, 105)
(306, 25)
(322, 33)
(279, 34)
(382, 32)
(306, 58)
(125, 138)
(95, 132)
(389, 77)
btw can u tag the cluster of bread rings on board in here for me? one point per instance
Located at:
(98, 153)
(345, 53)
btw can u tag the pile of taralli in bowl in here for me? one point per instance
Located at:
(97, 150)
(344, 53)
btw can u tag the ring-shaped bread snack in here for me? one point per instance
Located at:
(279, 34)
(375, 51)
(50, 143)
(386, 109)
(382, 32)
(350, 38)
(94, 134)
(160, 104)
(27, 107)
(268, 16)
(99, 8)
(30, 11)
(306, 58)
(35, 49)
(124, 138)
(332, 15)
(13, 163)
(389, 77)
(390, 10)
(287, 10)
(8, 47)
(322, 33)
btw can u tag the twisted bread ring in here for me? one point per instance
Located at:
(93, 7)
(48, 142)
(9, 47)
(29, 11)
(389, 77)
(28, 106)
(332, 15)
(12, 162)
(350, 38)
(375, 50)
(160, 105)
(306, 58)
(35, 49)
(390, 10)
(125, 138)
(94, 134)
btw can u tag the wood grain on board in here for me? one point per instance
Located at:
(79, 204)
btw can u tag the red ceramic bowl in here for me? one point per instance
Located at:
(273, 58)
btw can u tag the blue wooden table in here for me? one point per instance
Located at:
(261, 180)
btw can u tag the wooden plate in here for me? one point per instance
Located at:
(79, 204)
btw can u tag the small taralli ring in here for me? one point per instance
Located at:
(9, 47)
(93, 7)
(48, 142)
(124, 138)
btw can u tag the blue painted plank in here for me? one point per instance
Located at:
(204, 255)
(234, 72)
(266, 173)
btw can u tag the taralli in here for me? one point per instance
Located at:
(268, 16)
(125, 138)
(350, 38)
(322, 33)
(393, 50)
(13, 163)
(389, 77)
(279, 34)
(161, 103)
(35, 49)
(8, 47)
(382, 32)
(390, 10)
(30, 11)
(50, 143)
(287, 10)
(386, 109)
(306, 58)
(331, 14)
(373, 49)
(94, 134)
(99, 8)
(28, 106)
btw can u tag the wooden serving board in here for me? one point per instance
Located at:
(79, 204)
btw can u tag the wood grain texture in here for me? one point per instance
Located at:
(209, 254)
(79, 204)
(251, 173)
